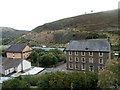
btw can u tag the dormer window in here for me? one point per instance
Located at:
(86, 48)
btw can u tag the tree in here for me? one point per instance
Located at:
(34, 56)
(38, 50)
(15, 83)
(72, 80)
(62, 57)
(32, 80)
(109, 78)
(41, 58)
(58, 53)
(48, 60)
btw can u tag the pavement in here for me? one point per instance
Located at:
(62, 68)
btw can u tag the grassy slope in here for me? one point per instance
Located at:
(94, 21)
(76, 28)
(9, 34)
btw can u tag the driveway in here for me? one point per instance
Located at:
(58, 68)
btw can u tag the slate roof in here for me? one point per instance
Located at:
(10, 63)
(89, 45)
(16, 48)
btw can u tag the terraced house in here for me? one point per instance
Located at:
(89, 55)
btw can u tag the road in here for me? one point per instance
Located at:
(58, 68)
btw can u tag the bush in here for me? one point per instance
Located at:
(48, 60)
(41, 58)
(58, 54)
(62, 57)
(15, 83)
(68, 80)
(32, 80)
(109, 78)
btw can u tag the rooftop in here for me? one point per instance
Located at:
(16, 48)
(89, 45)
(9, 63)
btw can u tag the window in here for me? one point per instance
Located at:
(76, 53)
(86, 48)
(13, 55)
(83, 59)
(100, 61)
(76, 66)
(83, 66)
(76, 59)
(70, 53)
(9, 70)
(70, 59)
(90, 60)
(24, 56)
(90, 53)
(100, 68)
(70, 65)
(91, 68)
(100, 54)
(83, 53)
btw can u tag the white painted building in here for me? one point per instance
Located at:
(14, 65)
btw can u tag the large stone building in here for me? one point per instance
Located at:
(18, 51)
(89, 55)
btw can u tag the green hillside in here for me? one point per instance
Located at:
(95, 21)
(99, 25)
(9, 34)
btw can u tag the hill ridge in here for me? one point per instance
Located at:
(77, 21)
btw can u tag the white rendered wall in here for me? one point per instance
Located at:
(26, 65)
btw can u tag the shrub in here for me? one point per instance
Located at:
(68, 80)
(15, 83)
(48, 60)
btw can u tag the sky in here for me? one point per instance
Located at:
(28, 14)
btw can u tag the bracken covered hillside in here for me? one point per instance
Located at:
(95, 21)
(88, 26)
(8, 34)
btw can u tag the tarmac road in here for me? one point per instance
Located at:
(58, 68)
